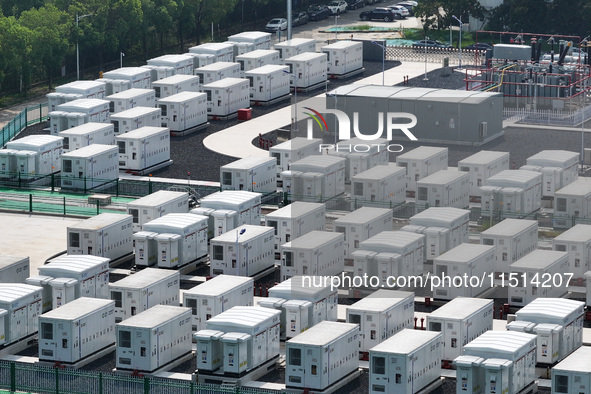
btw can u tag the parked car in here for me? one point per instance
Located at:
(430, 44)
(354, 4)
(409, 6)
(276, 24)
(400, 11)
(337, 7)
(411, 2)
(480, 46)
(318, 12)
(299, 18)
(380, 13)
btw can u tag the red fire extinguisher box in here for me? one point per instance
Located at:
(244, 114)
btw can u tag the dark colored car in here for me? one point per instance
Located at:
(384, 14)
(354, 4)
(430, 44)
(480, 46)
(299, 18)
(410, 7)
(318, 12)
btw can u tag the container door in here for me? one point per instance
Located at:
(33, 316)
(18, 324)
(316, 371)
(64, 340)
(259, 346)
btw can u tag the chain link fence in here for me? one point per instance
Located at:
(435, 55)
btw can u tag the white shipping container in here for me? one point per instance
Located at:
(318, 253)
(481, 166)
(87, 134)
(131, 98)
(577, 242)
(246, 204)
(532, 271)
(321, 356)
(8, 168)
(14, 269)
(90, 166)
(225, 97)
(382, 185)
(182, 63)
(241, 47)
(236, 352)
(138, 77)
(63, 291)
(153, 338)
(183, 111)
(513, 239)
(223, 52)
(293, 150)
(55, 99)
(331, 173)
(244, 251)
(308, 68)
(49, 148)
(572, 204)
(410, 246)
(268, 82)
(529, 181)
(469, 374)
(85, 89)
(26, 162)
(297, 315)
(105, 235)
(261, 40)
(160, 203)
(422, 162)
(255, 174)
(217, 71)
(445, 188)
(134, 118)
(361, 225)
(46, 296)
(143, 148)
(144, 289)
(201, 59)
(217, 295)
(223, 220)
(295, 46)
(460, 321)
(115, 85)
(573, 374)
(560, 168)
(159, 72)
(23, 305)
(145, 248)
(358, 162)
(405, 363)
(257, 58)
(209, 350)
(381, 315)
(77, 330)
(176, 84)
(344, 57)
(95, 110)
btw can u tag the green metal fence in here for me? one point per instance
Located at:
(27, 117)
(44, 379)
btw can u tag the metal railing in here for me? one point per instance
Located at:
(435, 55)
(28, 117)
(548, 117)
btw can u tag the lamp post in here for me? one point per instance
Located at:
(461, 24)
(295, 91)
(425, 78)
(238, 234)
(383, 59)
(450, 36)
(121, 54)
(77, 50)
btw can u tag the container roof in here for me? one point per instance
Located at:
(10, 292)
(501, 341)
(319, 161)
(130, 93)
(174, 79)
(379, 172)
(173, 58)
(422, 153)
(217, 66)
(302, 57)
(460, 308)
(257, 53)
(343, 44)
(314, 239)
(35, 140)
(464, 253)
(126, 72)
(381, 300)
(483, 157)
(267, 69)
(85, 103)
(214, 46)
(90, 150)
(134, 112)
(100, 221)
(155, 316)
(78, 308)
(509, 227)
(439, 215)
(514, 175)
(87, 128)
(159, 197)
(82, 85)
(175, 221)
(578, 233)
(539, 258)
(553, 156)
(295, 143)
(250, 34)
(307, 288)
(294, 42)
(229, 198)
(7, 260)
(226, 82)
(244, 316)
(251, 232)
(363, 215)
(219, 285)
(577, 361)
(580, 187)
(74, 263)
(296, 209)
(143, 132)
(442, 177)
(395, 239)
(323, 333)
(550, 307)
(145, 277)
(249, 162)
(406, 341)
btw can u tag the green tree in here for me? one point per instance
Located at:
(437, 14)
(208, 11)
(159, 18)
(15, 49)
(16, 7)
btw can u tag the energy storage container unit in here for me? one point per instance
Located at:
(568, 315)
(235, 352)
(160, 203)
(481, 166)
(308, 69)
(55, 99)
(293, 150)
(90, 166)
(183, 111)
(460, 321)
(159, 72)
(261, 40)
(531, 183)
(469, 374)
(258, 58)
(134, 118)
(534, 269)
(143, 148)
(85, 89)
(362, 159)
(138, 77)
(217, 71)
(153, 338)
(223, 220)
(58, 120)
(577, 242)
(182, 64)
(23, 305)
(14, 269)
(223, 52)
(360, 225)
(246, 204)
(343, 57)
(381, 315)
(572, 204)
(315, 253)
(517, 347)
(105, 235)
(63, 290)
(49, 148)
(253, 174)
(144, 289)
(115, 85)
(405, 363)
(295, 46)
(241, 47)
(131, 98)
(46, 296)
(145, 248)
(310, 288)
(268, 82)
(87, 134)
(573, 374)
(244, 251)
(381, 185)
(8, 168)
(76, 330)
(562, 169)
(26, 161)
(470, 259)
(261, 324)
(332, 177)
(297, 314)
(227, 96)
(201, 59)
(295, 220)
(409, 245)
(193, 232)
(454, 219)
(176, 84)
(216, 296)
(422, 162)
(94, 110)
(322, 355)
(209, 350)
(445, 188)
(513, 239)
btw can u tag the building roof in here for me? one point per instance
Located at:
(539, 259)
(144, 278)
(293, 42)
(379, 172)
(249, 163)
(342, 44)
(7, 260)
(226, 83)
(483, 157)
(257, 53)
(174, 79)
(406, 341)
(135, 112)
(440, 216)
(87, 128)
(130, 93)
(217, 66)
(303, 57)
(323, 333)
(154, 316)
(578, 233)
(381, 300)
(460, 308)
(363, 215)
(577, 361)
(580, 187)
(267, 69)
